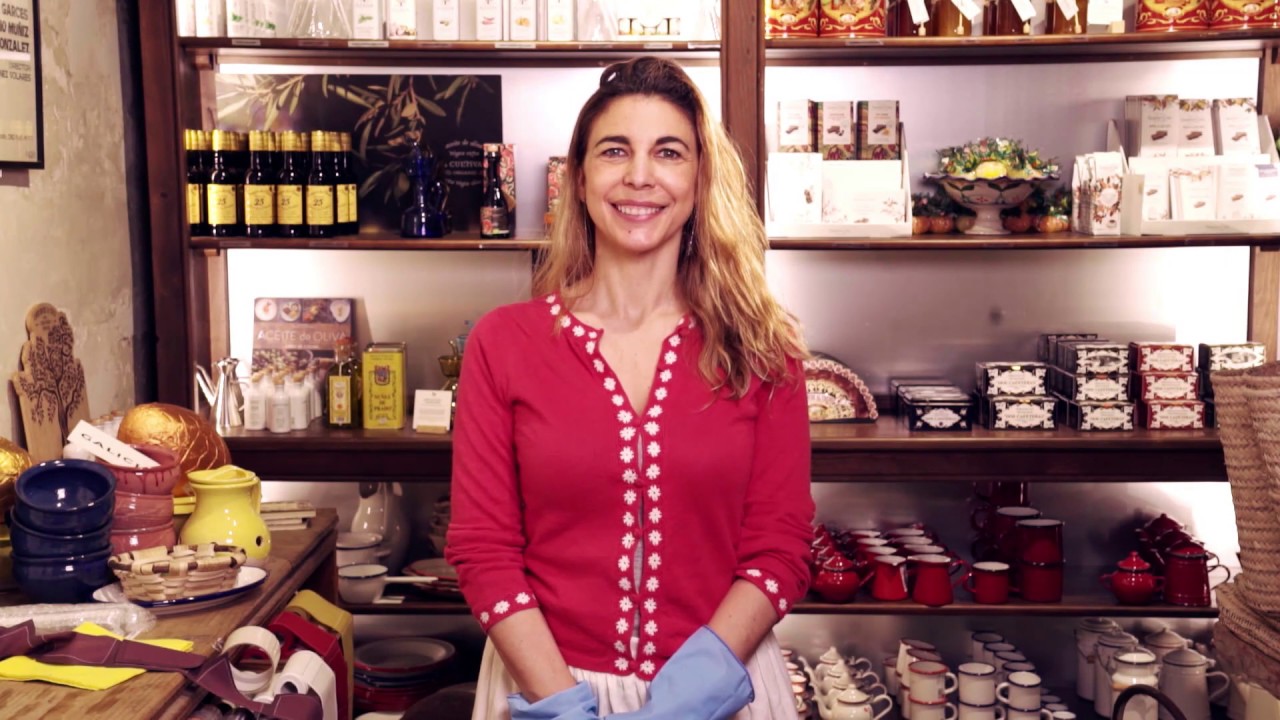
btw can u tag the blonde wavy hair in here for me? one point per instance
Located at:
(721, 269)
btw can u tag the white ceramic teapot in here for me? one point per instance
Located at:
(1107, 646)
(1185, 678)
(827, 660)
(1164, 641)
(1134, 667)
(853, 704)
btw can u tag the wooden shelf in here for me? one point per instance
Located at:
(401, 52)
(1032, 241)
(1035, 48)
(369, 241)
(884, 451)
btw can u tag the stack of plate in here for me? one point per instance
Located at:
(447, 586)
(392, 674)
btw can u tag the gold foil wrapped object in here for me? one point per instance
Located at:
(191, 437)
(13, 462)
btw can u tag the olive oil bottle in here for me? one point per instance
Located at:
(321, 201)
(290, 200)
(495, 219)
(343, 397)
(196, 144)
(259, 189)
(224, 188)
(349, 221)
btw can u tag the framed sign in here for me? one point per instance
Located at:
(21, 99)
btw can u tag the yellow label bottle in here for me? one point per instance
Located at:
(259, 205)
(344, 205)
(222, 205)
(195, 208)
(320, 205)
(289, 205)
(339, 400)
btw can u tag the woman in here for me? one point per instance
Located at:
(631, 508)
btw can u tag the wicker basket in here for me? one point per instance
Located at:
(183, 571)
(1247, 471)
(1236, 615)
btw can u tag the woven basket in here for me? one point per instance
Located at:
(1247, 472)
(184, 571)
(1236, 615)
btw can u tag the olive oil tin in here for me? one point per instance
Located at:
(383, 366)
(791, 19)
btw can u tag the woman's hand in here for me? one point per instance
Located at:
(576, 703)
(703, 680)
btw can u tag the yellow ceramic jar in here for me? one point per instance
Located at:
(227, 503)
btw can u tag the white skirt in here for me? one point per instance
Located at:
(618, 693)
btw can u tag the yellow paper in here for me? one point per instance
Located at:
(84, 677)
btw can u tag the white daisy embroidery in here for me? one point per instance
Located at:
(610, 384)
(655, 516)
(771, 585)
(629, 476)
(651, 428)
(551, 299)
(675, 341)
(617, 400)
(651, 628)
(627, 454)
(646, 667)
(591, 346)
(754, 573)
(599, 365)
(654, 493)
(502, 607)
(628, 519)
(625, 417)
(619, 647)
(652, 472)
(621, 664)
(651, 584)
(627, 433)
(651, 605)
(782, 605)
(625, 605)
(628, 541)
(624, 563)
(660, 393)
(593, 334)
(650, 648)
(625, 584)
(655, 561)
(665, 376)
(523, 599)
(670, 357)
(655, 537)
(579, 331)
(484, 617)
(555, 309)
(622, 625)
(654, 449)
(629, 497)
(565, 321)
(655, 411)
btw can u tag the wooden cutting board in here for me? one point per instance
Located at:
(50, 386)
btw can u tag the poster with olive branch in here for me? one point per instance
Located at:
(452, 115)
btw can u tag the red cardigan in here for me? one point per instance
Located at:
(559, 488)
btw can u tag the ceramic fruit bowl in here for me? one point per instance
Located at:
(63, 579)
(986, 198)
(65, 496)
(36, 544)
(135, 511)
(159, 480)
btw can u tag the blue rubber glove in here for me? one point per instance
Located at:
(703, 680)
(576, 703)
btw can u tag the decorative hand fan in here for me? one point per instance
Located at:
(836, 393)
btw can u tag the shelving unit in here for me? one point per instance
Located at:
(368, 241)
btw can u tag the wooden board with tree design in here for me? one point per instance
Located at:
(51, 385)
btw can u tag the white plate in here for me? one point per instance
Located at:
(247, 579)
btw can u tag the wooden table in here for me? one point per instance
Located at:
(299, 558)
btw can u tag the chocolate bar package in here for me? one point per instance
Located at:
(878, 130)
(836, 139)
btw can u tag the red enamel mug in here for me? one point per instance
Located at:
(889, 578)
(988, 582)
(933, 579)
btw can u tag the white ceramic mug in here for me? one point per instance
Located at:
(978, 642)
(905, 646)
(1020, 692)
(1056, 708)
(1063, 714)
(977, 684)
(930, 681)
(989, 711)
(1015, 714)
(990, 650)
(357, 548)
(1002, 659)
(940, 710)
(891, 675)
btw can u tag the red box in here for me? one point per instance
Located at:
(1161, 357)
(1151, 386)
(1171, 414)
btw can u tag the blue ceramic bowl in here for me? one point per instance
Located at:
(62, 580)
(65, 497)
(36, 544)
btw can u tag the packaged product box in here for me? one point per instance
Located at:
(1091, 386)
(522, 21)
(383, 366)
(835, 130)
(1232, 356)
(1098, 416)
(1195, 128)
(445, 20)
(1078, 358)
(1161, 357)
(1151, 125)
(489, 20)
(878, 130)
(1020, 412)
(1012, 378)
(897, 383)
(1235, 123)
(402, 20)
(936, 409)
(1236, 191)
(794, 188)
(1193, 193)
(797, 126)
(1048, 343)
(366, 19)
(1166, 386)
(1155, 184)
(1171, 414)
(558, 20)
(863, 191)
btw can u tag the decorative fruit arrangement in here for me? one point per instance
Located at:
(1040, 212)
(994, 158)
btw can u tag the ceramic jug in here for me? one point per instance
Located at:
(381, 511)
(1185, 678)
(1164, 641)
(1107, 647)
(227, 503)
(1087, 634)
(853, 704)
(1134, 667)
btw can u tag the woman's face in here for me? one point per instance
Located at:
(639, 174)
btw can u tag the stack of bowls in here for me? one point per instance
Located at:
(60, 530)
(144, 502)
(393, 674)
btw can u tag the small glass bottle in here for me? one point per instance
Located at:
(299, 414)
(278, 419)
(224, 188)
(348, 192)
(255, 404)
(495, 218)
(343, 406)
(259, 194)
(197, 180)
(321, 204)
(292, 178)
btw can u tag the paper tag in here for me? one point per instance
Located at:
(1069, 8)
(432, 411)
(1105, 12)
(101, 445)
(1024, 8)
(919, 12)
(968, 8)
